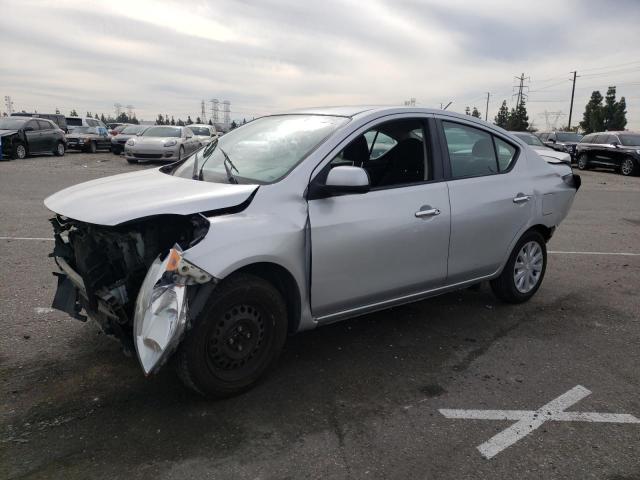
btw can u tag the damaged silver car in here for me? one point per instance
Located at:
(297, 220)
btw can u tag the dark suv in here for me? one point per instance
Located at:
(561, 141)
(22, 136)
(56, 118)
(620, 150)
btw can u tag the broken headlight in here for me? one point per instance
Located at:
(161, 308)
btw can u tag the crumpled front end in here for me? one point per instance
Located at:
(132, 279)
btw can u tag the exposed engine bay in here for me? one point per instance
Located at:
(103, 267)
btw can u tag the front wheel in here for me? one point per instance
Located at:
(180, 153)
(236, 338)
(19, 151)
(583, 161)
(524, 271)
(93, 148)
(628, 167)
(59, 151)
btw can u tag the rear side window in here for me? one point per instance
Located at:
(74, 121)
(600, 139)
(44, 125)
(506, 154)
(471, 151)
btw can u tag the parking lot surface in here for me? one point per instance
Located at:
(358, 399)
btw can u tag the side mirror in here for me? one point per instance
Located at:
(552, 140)
(341, 180)
(615, 144)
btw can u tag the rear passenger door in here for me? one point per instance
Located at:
(48, 135)
(34, 136)
(491, 198)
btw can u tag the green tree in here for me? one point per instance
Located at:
(198, 120)
(102, 118)
(73, 113)
(189, 121)
(134, 120)
(234, 125)
(160, 119)
(173, 122)
(89, 115)
(475, 113)
(518, 120)
(620, 116)
(180, 123)
(210, 122)
(467, 111)
(502, 118)
(593, 116)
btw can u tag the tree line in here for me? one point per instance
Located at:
(122, 118)
(598, 116)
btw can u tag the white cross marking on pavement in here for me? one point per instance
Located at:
(528, 420)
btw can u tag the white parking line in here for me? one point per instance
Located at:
(46, 239)
(529, 420)
(622, 254)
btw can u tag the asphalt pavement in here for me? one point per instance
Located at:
(364, 398)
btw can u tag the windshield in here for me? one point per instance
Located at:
(81, 130)
(529, 139)
(262, 151)
(162, 132)
(630, 140)
(568, 137)
(200, 131)
(132, 129)
(12, 123)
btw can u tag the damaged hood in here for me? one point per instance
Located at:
(129, 196)
(7, 132)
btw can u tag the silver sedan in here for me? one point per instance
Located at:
(299, 220)
(161, 142)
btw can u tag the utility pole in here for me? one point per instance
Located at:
(521, 87)
(486, 112)
(573, 91)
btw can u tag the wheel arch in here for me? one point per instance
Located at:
(285, 283)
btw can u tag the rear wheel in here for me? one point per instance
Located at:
(628, 167)
(524, 271)
(19, 151)
(60, 149)
(236, 338)
(583, 161)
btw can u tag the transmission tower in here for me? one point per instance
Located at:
(226, 108)
(215, 109)
(8, 104)
(551, 118)
(118, 109)
(410, 103)
(203, 113)
(521, 96)
(130, 110)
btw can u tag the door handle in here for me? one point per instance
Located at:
(521, 198)
(432, 212)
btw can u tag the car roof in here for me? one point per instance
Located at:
(199, 125)
(355, 110)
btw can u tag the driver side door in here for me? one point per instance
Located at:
(373, 249)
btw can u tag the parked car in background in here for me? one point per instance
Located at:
(115, 128)
(161, 142)
(21, 136)
(619, 150)
(84, 122)
(204, 133)
(56, 118)
(88, 139)
(541, 149)
(289, 222)
(561, 141)
(129, 131)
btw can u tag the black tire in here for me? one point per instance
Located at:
(504, 287)
(115, 150)
(236, 339)
(132, 160)
(628, 167)
(60, 150)
(19, 151)
(180, 153)
(583, 161)
(93, 148)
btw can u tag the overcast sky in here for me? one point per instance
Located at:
(271, 55)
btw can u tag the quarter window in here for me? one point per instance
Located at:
(506, 154)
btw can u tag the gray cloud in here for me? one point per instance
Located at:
(278, 54)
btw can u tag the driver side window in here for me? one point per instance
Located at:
(393, 153)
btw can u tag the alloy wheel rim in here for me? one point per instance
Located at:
(627, 167)
(582, 162)
(528, 267)
(60, 149)
(21, 151)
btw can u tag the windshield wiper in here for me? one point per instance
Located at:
(228, 166)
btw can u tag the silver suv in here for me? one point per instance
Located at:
(297, 220)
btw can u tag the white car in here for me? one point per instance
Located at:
(204, 133)
(161, 143)
(549, 154)
(299, 220)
